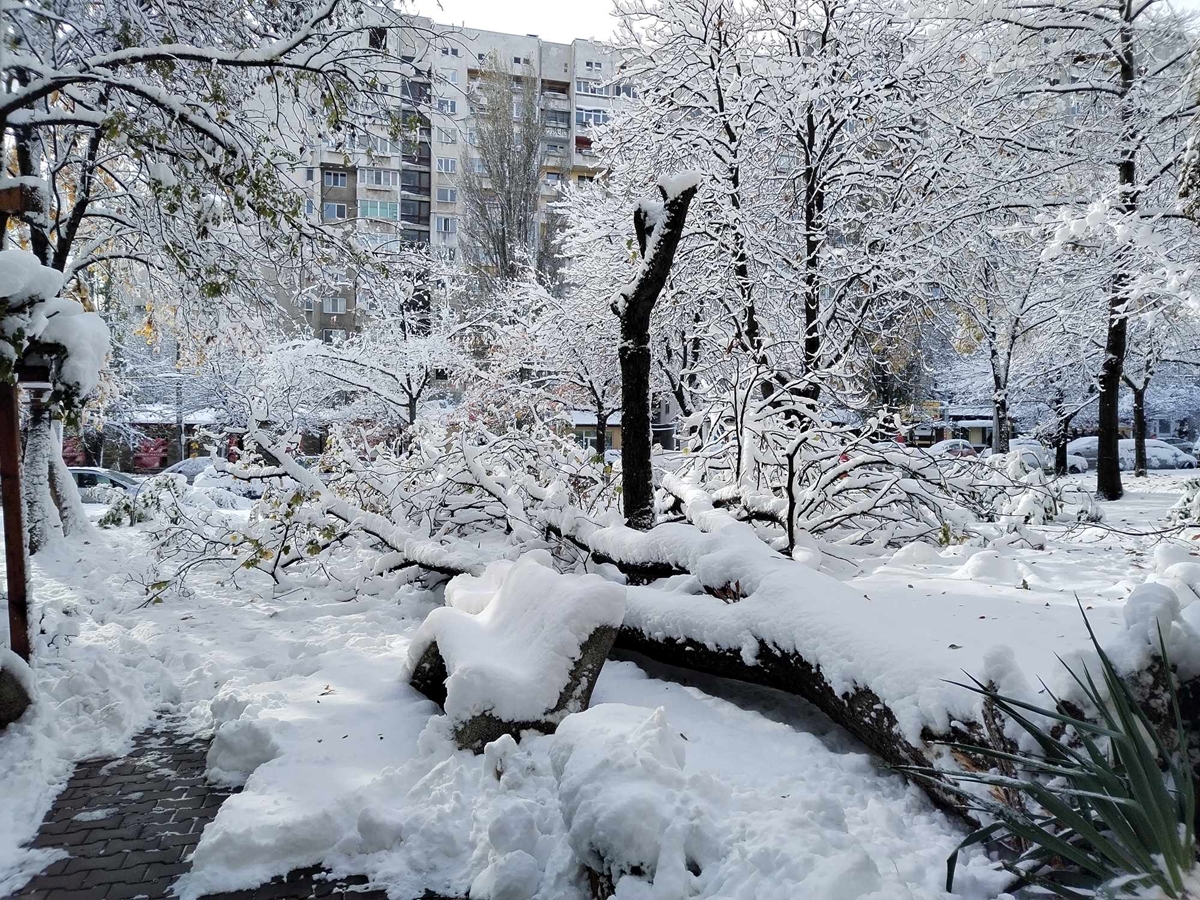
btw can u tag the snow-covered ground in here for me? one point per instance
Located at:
(342, 763)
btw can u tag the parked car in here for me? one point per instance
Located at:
(955, 447)
(1159, 455)
(92, 477)
(189, 468)
(1179, 443)
(1087, 447)
(1076, 464)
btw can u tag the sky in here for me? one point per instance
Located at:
(553, 20)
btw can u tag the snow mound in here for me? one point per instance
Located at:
(917, 553)
(989, 567)
(515, 656)
(622, 786)
(1149, 609)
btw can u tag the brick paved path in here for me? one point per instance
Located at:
(130, 824)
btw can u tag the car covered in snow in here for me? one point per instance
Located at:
(955, 447)
(1159, 455)
(1032, 450)
(90, 477)
(189, 468)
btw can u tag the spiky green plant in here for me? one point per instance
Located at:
(1112, 812)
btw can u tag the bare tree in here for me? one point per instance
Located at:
(502, 180)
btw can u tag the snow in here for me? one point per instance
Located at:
(34, 312)
(514, 656)
(341, 763)
(674, 185)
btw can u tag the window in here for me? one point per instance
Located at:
(412, 236)
(450, 253)
(447, 107)
(558, 118)
(307, 304)
(449, 51)
(377, 38)
(447, 136)
(588, 117)
(308, 174)
(333, 306)
(520, 61)
(447, 165)
(478, 166)
(447, 224)
(335, 179)
(624, 89)
(378, 177)
(414, 211)
(482, 57)
(471, 136)
(590, 87)
(379, 209)
(334, 211)
(414, 181)
(447, 195)
(592, 66)
(553, 178)
(556, 149)
(333, 335)
(584, 178)
(450, 75)
(309, 207)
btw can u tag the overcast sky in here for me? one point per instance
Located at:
(553, 20)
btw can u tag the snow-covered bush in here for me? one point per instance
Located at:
(1186, 510)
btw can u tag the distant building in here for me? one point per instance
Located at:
(392, 192)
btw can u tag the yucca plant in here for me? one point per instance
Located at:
(1111, 815)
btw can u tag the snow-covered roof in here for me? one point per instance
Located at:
(583, 418)
(164, 414)
(972, 423)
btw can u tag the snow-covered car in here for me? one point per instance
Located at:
(92, 477)
(1159, 455)
(189, 468)
(1076, 464)
(1179, 444)
(1088, 447)
(955, 447)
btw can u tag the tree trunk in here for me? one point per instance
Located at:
(1000, 422)
(1108, 459)
(41, 515)
(601, 432)
(634, 308)
(63, 489)
(1139, 432)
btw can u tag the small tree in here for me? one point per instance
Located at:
(500, 185)
(658, 227)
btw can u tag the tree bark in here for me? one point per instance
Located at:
(41, 514)
(1139, 432)
(601, 431)
(1108, 458)
(657, 240)
(1000, 433)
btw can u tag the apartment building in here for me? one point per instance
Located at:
(388, 192)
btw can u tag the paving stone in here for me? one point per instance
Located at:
(132, 875)
(161, 803)
(92, 893)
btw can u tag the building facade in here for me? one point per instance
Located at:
(392, 192)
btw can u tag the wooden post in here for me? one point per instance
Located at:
(14, 526)
(15, 200)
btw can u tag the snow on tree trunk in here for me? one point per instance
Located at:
(601, 431)
(1000, 433)
(658, 228)
(63, 489)
(42, 521)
